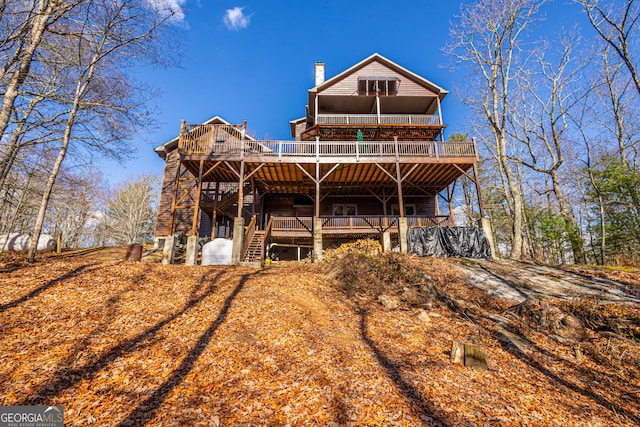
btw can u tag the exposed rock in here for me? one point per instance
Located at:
(390, 303)
(423, 316)
(411, 296)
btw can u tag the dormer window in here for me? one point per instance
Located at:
(381, 86)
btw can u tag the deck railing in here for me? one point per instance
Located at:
(205, 143)
(356, 224)
(286, 224)
(374, 119)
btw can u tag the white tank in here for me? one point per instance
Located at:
(217, 252)
(16, 242)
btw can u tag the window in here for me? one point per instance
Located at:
(409, 210)
(345, 210)
(382, 86)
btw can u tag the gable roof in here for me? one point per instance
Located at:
(387, 62)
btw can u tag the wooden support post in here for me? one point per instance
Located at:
(196, 209)
(214, 218)
(240, 189)
(317, 190)
(253, 196)
(450, 190)
(399, 179)
(238, 240)
(477, 182)
(317, 239)
(440, 117)
(402, 234)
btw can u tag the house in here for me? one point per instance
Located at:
(368, 158)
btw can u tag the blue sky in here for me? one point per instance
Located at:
(254, 61)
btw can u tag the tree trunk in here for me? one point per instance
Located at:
(577, 244)
(516, 201)
(46, 196)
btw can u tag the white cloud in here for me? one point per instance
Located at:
(169, 7)
(235, 19)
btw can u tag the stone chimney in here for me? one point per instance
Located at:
(319, 73)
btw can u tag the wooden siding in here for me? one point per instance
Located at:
(283, 205)
(300, 127)
(166, 196)
(349, 85)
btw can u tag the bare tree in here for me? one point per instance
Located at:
(541, 122)
(32, 19)
(487, 39)
(106, 35)
(620, 113)
(131, 210)
(616, 22)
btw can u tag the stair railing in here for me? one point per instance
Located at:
(266, 239)
(248, 236)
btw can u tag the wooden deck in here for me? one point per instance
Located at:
(226, 142)
(286, 226)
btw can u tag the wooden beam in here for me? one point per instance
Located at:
(211, 169)
(232, 169)
(410, 171)
(463, 172)
(305, 171)
(330, 171)
(254, 171)
(387, 172)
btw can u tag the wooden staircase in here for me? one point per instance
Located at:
(253, 253)
(226, 201)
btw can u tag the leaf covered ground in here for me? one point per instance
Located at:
(119, 343)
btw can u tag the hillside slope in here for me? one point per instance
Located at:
(136, 343)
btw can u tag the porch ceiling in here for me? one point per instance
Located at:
(339, 178)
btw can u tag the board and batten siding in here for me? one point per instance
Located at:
(349, 85)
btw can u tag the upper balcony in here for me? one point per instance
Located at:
(378, 119)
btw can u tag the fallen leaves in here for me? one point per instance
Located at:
(121, 343)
